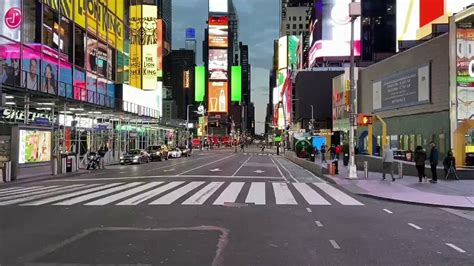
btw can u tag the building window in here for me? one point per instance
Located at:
(294, 18)
(79, 46)
(294, 32)
(301, 18)
(294, 26)
(50, 28)
(287, 26)
(31, 25)
(301, 26)
(65, 41)
(307, 26)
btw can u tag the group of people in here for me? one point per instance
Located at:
(334, 152)
(420, 157)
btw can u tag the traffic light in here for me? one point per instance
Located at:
(364, 120)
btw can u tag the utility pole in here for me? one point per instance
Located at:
(187, 120)
(312, 117)
(354, 12)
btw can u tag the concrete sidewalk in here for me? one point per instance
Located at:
(446, 193)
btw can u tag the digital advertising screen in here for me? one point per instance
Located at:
(218, 32)
(218, 97)
(465, 71)
(218, 6)
(283, 52)
(218, 64)
(34, 146)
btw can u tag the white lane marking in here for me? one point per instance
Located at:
(309, 210)
(283, 194)
(44, 191)
(334, 244)
(150, 194)
(387, 211)
(230, 194)
(121, 195)
(169, 170)
(26, 192)
(338, 195)
(311, 196)
(70, 195)
(215, 170)
(202, 195)
(286, 169)
(90, 196)
(242, 165)
(175, 195)
(173, 164)
(204, 165)
(35, 197)
(256, 193)
(168, 176)
(318, 223)
(279, 170)
(415, 226)
(458, 249)
(11, 188)
(18, 190)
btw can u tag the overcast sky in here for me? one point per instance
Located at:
(258, 27)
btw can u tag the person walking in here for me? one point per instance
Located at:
(434, 158)
(332, 152)
(323, 153)
(387, 161)
(420, 158)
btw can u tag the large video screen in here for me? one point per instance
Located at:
(219, 32)
(218, 97)
(465, 70)
(34, 146)
(218, 64)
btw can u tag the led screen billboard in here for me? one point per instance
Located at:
(236, 84)
(218, 64)
(134, 100)
(218, 6)
(218, 32)
(200, 83)
(135, 46)
(218, 97)
(283, 52)
(465, 70)
(34, 146)
(149, 47)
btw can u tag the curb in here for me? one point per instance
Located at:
(413, 203)
(42, 178)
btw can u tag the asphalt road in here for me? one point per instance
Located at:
(219, 208)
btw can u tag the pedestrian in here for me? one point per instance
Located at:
(263, 147)
(449, 164)
(242, 145)
(332, 152)
(323, 153)
(434, 158)
(387, 161)
(338, 151)
(420, 158)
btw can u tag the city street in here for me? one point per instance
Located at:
(219, 207)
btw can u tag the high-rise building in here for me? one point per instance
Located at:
(190, 40)
(233, 31)
(182, 76)
(295, 17)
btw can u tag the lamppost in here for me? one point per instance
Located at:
(354, 12)
(312, 117)
(187, 120)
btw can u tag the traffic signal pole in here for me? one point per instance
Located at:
(352, 169)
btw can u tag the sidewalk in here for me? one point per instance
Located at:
(446, 193)
(25, 180)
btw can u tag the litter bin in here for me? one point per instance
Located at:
(69, 164)
(335, 166)
(346, 159)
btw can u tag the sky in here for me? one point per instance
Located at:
(258, 27)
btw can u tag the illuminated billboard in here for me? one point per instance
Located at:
(283, 52)
(340, 115)
(135, 100)
(34, 146)
(293, 42)
(218, 97)
(236, 84)
(135, 46)
(159, 45)
(336, 32)
(200, 83)
(218, 32)
(465, 70)
(218, 64)
(11, 18)
(218, 6)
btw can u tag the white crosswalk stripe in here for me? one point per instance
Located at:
(283, 194)
(150, 194)
(17, 190)
(230, 194)
(186, 193)
(202, 195)
(256, 193)
(96, 194)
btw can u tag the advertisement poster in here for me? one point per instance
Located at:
(465, 72)
(99, 59)
(49, 77)
(218, 64)
(79, 81)
(35, 146)
(218, 97)
(340, 116)
(135, 46)
(11, 18)
(159, 46)
(149, 47)
(293, 55)
(283, 52)
(218, 32)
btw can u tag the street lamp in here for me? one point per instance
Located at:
(187, 120)
(354, 12)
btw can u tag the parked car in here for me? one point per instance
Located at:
(157, 152)
(185, 152)
(175, 153)
(135, 157)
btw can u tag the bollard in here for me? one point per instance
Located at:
(63, 165)
(55, 166)
(366, 169)
(400, 170)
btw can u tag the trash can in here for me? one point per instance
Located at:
(346, 159)
(69, 164)
(335, 167)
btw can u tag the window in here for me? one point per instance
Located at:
(65, 42)
(300, 18)
(301, 26)
(31, 25)
(307, 26)
(294, 32)
(294, 26)
(294, 18)
(287, 26)
(289, 18)
(50, 28)
(79, 46)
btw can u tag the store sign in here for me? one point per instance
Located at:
(11, 18)
(186, 79)
(10, 114)
(406, 88)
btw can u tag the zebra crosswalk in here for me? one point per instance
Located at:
(186, 193)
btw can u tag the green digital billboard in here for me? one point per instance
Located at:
(236, 84)
(200, 84)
